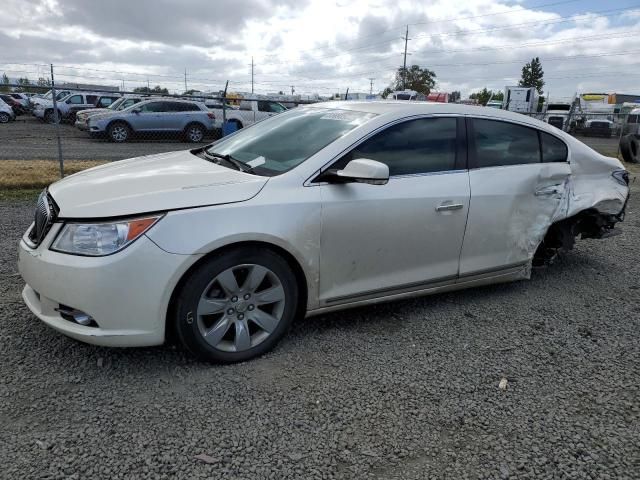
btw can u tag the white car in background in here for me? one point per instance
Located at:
(320, 208)
(6, 112)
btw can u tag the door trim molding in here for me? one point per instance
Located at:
(417, 286)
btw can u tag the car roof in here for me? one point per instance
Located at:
(405, 108)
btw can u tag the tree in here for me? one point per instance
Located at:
(484, 95)
(422, 80)
(532, 75)
(4, 84)
(156, 89)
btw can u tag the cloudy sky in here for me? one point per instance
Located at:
(323, 46)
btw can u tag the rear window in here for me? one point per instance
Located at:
(500, 143)
(553, 149)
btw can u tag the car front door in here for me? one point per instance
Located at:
(518, 177)
(149, 118)
(403, 236)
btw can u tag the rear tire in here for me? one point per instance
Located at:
(50, 117)
(236, 306)
(119, 132)
(194, 133)
(4, 117)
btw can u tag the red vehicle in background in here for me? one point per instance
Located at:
(441, 97)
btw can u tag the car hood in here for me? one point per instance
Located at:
(167, 181)
(94, 111)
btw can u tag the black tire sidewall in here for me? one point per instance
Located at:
(185, 320)
(5, 117)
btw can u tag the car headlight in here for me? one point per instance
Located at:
(100, 239)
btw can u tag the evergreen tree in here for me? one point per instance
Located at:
(532, 75)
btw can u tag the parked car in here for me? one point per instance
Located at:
(48, 97)
(22, 98)
(6, 112)
(598, 128)
(321, 208)
(16, 106)
(70, 105)
(248, 112)
(82, 118)
(192, 119)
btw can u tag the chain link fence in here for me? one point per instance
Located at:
(76, 128)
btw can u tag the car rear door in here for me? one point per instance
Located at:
(515, 195)
(379, 240)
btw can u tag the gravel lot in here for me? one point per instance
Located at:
(406, 390)
(30, 139)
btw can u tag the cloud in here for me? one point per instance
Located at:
(319, 46)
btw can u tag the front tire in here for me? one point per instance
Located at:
(4, 117)
(50, 116)
(119, 132)
(630, 148)
(236, 306)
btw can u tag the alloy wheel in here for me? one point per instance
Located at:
(119, 133)
(4, 118)
(240, 307)
(195, 134)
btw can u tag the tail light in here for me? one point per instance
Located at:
(621, 176)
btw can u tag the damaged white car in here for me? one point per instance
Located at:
(320, 208)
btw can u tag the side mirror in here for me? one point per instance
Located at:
(361, 170)
(136, 111)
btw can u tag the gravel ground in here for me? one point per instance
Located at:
(406, 390)
(30, 139)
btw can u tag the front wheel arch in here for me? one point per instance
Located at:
(301, 280)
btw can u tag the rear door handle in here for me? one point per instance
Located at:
(550, 190)
(448, 207)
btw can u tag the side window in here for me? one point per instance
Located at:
(105, 101)
(263, 106)
(500, 143)
(553, 149)
(276, 107)
(155, 107)
(92, 99)
(416, 146)
(127, 103)
(632, 119)
(75, 100)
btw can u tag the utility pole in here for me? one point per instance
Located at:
(293, 90)
(371, 87)
(57, 122)
(404, 63)
(148, 87)
(185, 81)
(252, 65)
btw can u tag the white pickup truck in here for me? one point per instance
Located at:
(250, 112)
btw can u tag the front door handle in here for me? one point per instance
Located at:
(448, 207)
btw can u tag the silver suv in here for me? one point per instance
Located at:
(191, 119)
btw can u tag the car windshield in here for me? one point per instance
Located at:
(283, 142)
(118, 102)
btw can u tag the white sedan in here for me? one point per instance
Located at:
(320, 208)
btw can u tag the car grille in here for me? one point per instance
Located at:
(45, 215)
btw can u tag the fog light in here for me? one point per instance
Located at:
(75, 315)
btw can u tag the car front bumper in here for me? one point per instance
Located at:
(127, 293)
(82, 125)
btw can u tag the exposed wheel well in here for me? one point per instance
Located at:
(113, 122)
(301, 279)
(562, 235)
(237, 122)
(200, 124)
